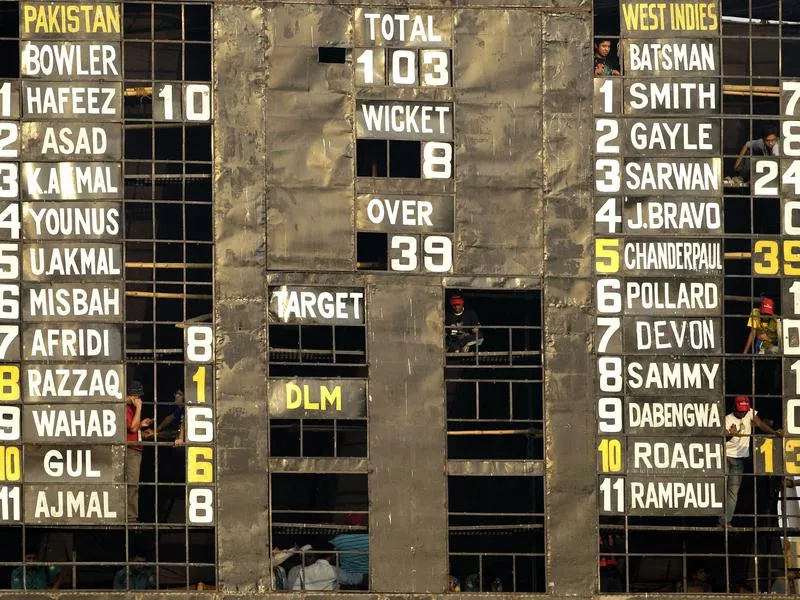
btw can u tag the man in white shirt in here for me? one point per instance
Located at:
(321, 575)
(738, 429)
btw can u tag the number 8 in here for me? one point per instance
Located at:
(437, 160)
(199, 343)
(201, 505)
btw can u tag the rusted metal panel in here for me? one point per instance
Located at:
(568, 318)
(498, 78)
(309, 162)
(240, 308)
(407, 486)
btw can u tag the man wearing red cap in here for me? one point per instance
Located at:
(764, 329)
(739, 429)
(460, 338)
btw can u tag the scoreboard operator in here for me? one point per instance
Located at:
(460, 338)
(739, 429)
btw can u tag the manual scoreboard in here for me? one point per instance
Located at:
(659, 265)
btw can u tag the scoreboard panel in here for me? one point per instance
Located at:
(693, 264)
(406, 299)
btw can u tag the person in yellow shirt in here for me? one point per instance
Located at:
(764, 324)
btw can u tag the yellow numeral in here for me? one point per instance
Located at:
(10, 463)
(199, 378)
(791, 454)
(767, 449)
(611, 455)
(791, 257)
(9, 383)
(606, 255)
(200, 466)
(765, 257)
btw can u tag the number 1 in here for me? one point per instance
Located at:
(199, 378)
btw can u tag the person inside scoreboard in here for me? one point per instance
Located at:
(766, 145)
(172, 424)
(765, 333)
(461, 326)
(604, 64)
(133, 455)
(738, 430)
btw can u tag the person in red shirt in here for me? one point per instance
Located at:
(133, 456)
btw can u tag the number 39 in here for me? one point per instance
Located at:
(437, 253)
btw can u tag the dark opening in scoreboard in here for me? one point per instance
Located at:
(694, 134)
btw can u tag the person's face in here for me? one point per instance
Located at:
(701, 575)
(739, 413)
(129, 399)
(458, 308)
(179, 397)
(770, 141)
(603, 48)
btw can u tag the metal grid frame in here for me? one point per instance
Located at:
(510, 357)
(165, 302)
(751, 96)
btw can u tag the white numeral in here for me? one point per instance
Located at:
(9, 423)
(437, 160)
(792, 414)
(407, 244)
(200, 343)
(404, 68)
(609, 490)
(767, 172)
(9, 180)
(609, 413)
(10, 503)
(439, 61)
(609, 298)
(9, 261)
(199, 424)
(197, 104)
(611, 129)
(610, 373)
(794, 87)
(608, 214)
(607, 90)
(610, 180)
(612, 325)
(201, 505)
(9, 134)
(441, 248)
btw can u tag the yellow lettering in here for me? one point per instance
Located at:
(29, 16)
(631, 14)
(308, 404)
(294, 396)
(713, 24)
(644, 16)
(41, 21)
(112, 19)
(331, 398)
(64, 18)
(53, 24)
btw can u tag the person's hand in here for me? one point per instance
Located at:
(179, 442)
(145, 422)
(763, 337)
(733, 430)
(148, 434)
(137, 402)
(598, 69)
(614, 72)
(465, 348)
